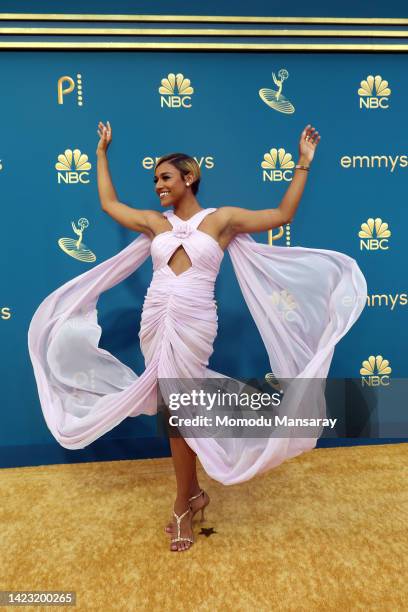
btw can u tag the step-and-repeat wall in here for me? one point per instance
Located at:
(240, 115)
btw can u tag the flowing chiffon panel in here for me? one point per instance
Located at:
(302, 300)
(83, 388)
(325, 292)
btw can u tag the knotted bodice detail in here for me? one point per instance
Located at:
(203, 250)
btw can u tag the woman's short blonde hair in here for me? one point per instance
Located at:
(185, 164)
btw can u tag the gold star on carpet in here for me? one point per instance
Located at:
(207, 531)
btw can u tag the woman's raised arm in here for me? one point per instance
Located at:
(136, 220)
(244, 220)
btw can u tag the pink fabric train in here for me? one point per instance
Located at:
(325, 291)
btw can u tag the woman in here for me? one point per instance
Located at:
(85, 391)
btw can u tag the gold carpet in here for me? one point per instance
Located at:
(325, 530)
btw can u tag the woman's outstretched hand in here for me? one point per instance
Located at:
(105, 135)
(309, 140)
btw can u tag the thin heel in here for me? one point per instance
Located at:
(202, 492)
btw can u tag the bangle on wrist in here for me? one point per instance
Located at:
(302, 166)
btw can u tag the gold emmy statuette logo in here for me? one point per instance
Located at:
(73, 167)
(374, 234)
(285, 304)
(275, 98)
(273, 381)
(374, 92)
(66, 84)
(374, 371)
(76, 248)
(175, 91)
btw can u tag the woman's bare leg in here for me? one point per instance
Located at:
(194, 489)
(184, 466)
(194, 486)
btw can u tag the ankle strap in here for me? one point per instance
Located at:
(195, 496)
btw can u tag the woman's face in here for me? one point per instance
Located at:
(168, 181)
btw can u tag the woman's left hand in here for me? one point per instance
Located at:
(309, 140)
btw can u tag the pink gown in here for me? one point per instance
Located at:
(85, 391)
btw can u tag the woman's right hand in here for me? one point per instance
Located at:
(105, 134)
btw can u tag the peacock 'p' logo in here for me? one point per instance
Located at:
(175, 91)
(375, 371)
(374, 92)
(66, 84)
(73, 167)
(374, 234)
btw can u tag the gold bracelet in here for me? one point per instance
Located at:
(302, 167)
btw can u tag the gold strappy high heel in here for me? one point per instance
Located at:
(179, 538)
(168, 529)
(190, 499)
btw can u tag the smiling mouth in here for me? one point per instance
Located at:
(164, 195)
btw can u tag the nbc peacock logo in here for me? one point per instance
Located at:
(284, 304)
(374, 92)
(176, 91)
(73, 167)
(83, 379)
(277, 166)
(375, 371)
(374, 234)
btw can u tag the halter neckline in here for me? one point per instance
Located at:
(192, 217)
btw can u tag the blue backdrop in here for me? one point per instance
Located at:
(357, 175)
